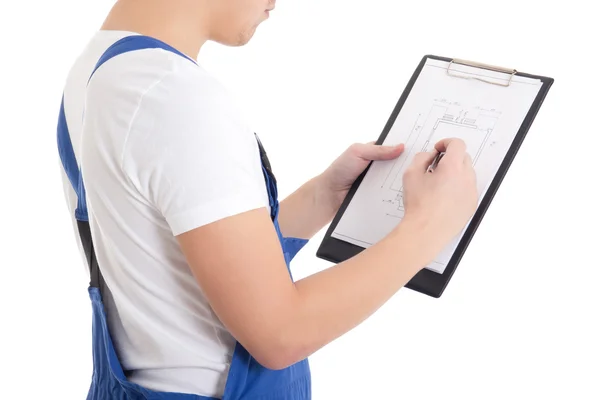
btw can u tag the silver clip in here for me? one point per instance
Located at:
(511, 72)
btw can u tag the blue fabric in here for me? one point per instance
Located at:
(67, 157)
(108, 378)
(132, 43)
(247, 379)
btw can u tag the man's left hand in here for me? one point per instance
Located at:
(341, 174)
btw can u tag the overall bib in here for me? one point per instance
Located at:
(247, 379)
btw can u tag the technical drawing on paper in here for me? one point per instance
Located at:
(445, 119)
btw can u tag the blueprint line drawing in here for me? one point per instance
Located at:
(474, 125)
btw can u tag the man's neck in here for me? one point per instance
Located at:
(175, 25)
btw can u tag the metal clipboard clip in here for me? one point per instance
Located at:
(511, 72)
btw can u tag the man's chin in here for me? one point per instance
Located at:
(241, 40)
(245, 37)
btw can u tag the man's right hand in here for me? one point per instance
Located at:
(441, 202)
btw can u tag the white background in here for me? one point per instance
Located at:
(519, 319)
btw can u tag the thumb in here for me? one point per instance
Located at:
(371, 151)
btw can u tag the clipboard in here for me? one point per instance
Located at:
(426, 281)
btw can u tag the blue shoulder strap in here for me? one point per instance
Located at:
(65, 147)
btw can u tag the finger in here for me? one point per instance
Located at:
(442, 144)
(373, 152)
(451, 145)
(454, 148)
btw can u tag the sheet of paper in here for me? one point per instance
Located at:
(486, 116)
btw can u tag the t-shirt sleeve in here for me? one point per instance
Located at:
(193, 158)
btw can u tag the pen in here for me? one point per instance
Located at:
(435, 162)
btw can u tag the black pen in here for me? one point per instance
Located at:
(435, 162)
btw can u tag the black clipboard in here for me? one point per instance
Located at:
(429, 282)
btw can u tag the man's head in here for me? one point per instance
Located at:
(233, 22)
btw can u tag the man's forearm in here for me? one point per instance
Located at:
(306, 211)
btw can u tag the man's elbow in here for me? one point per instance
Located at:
(279, 353)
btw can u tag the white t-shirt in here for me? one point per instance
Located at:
(163, 150)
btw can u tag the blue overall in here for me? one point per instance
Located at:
(247, 379)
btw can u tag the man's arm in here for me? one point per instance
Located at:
(307, 210)
(244, 276)
(239, 265)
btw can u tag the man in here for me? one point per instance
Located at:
(192, 243)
